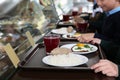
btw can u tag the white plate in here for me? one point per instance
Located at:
(66, 36)
(65, 60)
(70, 46)
(62, 31)
(64, 22)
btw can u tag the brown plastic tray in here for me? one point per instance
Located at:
(61, 23)
(33, 59)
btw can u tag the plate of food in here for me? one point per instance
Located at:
(66, 22)
(81, 48)
(71, 36)
(64, 60)
(64, 30)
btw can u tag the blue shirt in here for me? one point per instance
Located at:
(97, 35)
(94, 1)
(113, 11)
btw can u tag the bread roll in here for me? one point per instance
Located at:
(57, 51)
(70, 29)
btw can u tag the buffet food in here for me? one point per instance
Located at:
(65, 60)
(71, 36)
(57, 51)
(81, 47)
(70, 29)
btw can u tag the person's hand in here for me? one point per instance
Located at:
(96, 41)
(86, 37)
(106, 67)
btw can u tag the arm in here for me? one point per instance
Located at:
(107, 68)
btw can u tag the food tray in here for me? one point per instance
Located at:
(33, 59)
(60, 24)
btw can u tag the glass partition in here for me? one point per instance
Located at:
(63, 6)
(87, 6)
(25, 15)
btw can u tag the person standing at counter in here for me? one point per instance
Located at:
(109, 38)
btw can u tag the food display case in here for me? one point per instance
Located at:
(17, 17)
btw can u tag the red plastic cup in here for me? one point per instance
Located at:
(51, 41)
(74, 13)
(66, 17)
(82, 27)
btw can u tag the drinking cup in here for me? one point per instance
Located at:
(51, 41)
(66, 17)
(74, 13)
(82, 27)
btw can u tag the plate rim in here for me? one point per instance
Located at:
(53, 31)
(78, 52)
(85, 61)
(65, 36)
